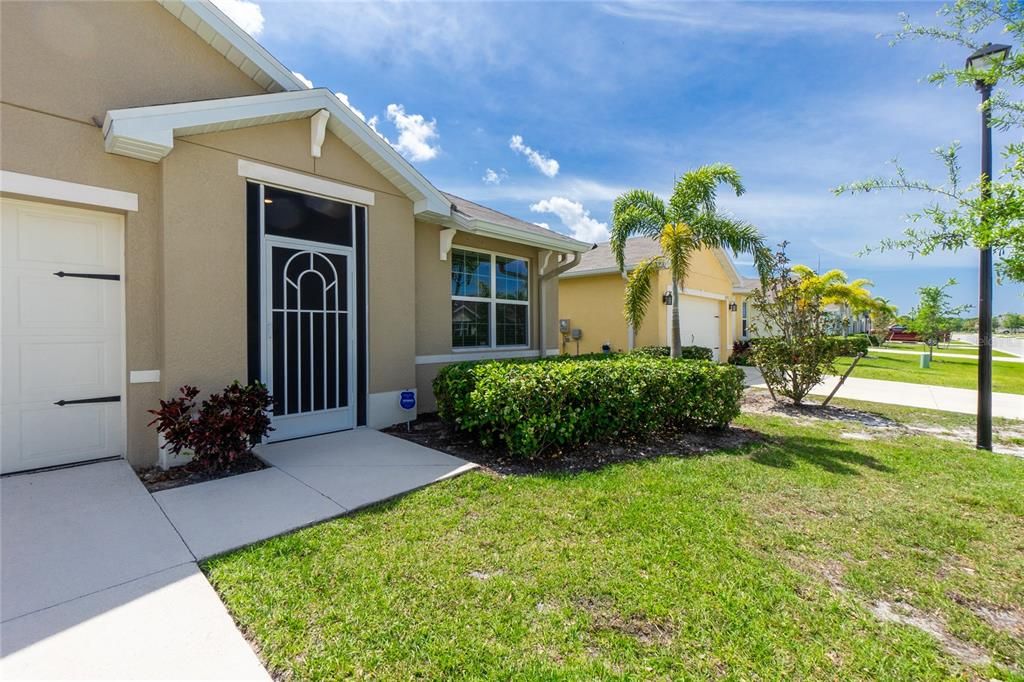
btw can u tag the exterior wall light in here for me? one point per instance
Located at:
(666, 298)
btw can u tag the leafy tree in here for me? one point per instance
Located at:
(960, 216)
(1011, 321)
(794, 350)
(687, 223)
(934, 316)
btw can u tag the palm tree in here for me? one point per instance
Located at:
(686, 224)
(835, 287)
(883, 314)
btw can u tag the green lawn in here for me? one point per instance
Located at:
(761, 563)
(1007, 377)
(954, 348)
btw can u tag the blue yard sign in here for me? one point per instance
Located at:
(407, 399)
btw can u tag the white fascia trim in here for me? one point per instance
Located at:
(596, 271)
(700, 293)
(510, 234)
(472, 356)
(219, 23)
(148, 133)
(71, 192)
(729, 267)
(308, 184)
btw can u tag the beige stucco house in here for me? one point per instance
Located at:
(714, 311)
(178, 208)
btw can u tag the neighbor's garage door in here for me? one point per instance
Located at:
(60, 335)
(699, 323)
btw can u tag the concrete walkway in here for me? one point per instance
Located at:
(96, 584)
(99, 578)
(939, 354)
(312, 479)
(961, 400)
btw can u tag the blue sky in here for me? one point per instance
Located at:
(548, 111)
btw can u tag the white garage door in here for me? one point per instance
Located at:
(699, 323)
(60, 335)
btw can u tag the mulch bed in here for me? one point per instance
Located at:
(156, 479)
(429, 431)
(761, 402)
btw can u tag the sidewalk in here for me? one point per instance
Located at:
(961, 400)
(962, 356)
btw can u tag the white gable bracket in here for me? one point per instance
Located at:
(318, 131)
(148, 133)
(447, 235)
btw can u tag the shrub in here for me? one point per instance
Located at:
(741, 354)
(225, 428)
(685, 352)
(652, 351)
(530, 407)
(851, 345)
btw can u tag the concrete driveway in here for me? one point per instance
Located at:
(95, 583)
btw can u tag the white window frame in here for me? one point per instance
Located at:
(744, 320)
(493, 300)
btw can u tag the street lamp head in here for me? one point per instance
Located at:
(986, 56)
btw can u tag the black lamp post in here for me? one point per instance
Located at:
(982, 60)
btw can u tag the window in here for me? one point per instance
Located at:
(744, 319)
(490, 300)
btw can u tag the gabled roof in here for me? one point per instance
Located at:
(601, 261)
(237, 46)
(148, 133)
(479, 218)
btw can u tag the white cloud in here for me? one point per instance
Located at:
(545, 165)
(745, 18)
(305, 81)
(414, 134)
(344, 100)
(245, 13)
(493, 177)
(575, 217)
(546, 226)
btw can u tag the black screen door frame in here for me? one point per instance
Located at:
(260, 327)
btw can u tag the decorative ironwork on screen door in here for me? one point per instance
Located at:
(309, 308)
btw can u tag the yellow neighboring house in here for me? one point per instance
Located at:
(713, 310)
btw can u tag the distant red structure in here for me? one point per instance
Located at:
(899, 334)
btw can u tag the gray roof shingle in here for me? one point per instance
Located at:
(475, 211)
(601, 258)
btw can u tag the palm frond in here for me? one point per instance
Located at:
(696, 192)
(638, 290)
(635, 213)
(721, 232)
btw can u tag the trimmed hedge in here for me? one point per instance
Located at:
(532, 406)
(685, 352)
(853, 344)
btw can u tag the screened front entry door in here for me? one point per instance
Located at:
(309, 351)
